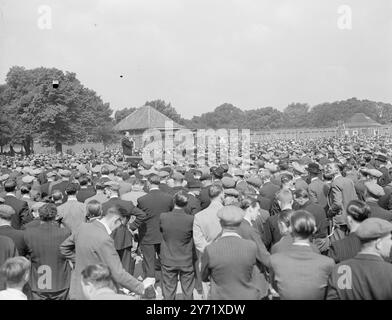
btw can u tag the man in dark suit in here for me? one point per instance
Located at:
(302, 202)
(7, 250)
(300, 273)
(92, 244)
(268, 190)
(61, 186)
(318, 189)
(228, 261)
(150, 237)
(348, 247)
(194, 204)
(51, 273)
(204, 196)
(123, 238)
(272, 234)
(85, 190)
(177, 250)
(127, 144)
(366, 276)
(6, 214)
(22, 213)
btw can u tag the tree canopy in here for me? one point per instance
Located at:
(34, 109)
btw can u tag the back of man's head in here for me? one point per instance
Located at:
(358, 210)
(97, 275)
(57, 195)
(47, 212)
(94, 209)
(83, 181)
(154, 179)
(105, 170)
(215, 191)
(25, 189)
(15, 271)
(303, 224)
(10, 185)
(71, 189)
(301, 194)
(180, 199)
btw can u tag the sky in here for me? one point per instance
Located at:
(199, 54)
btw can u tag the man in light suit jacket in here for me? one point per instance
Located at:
(206, 225)
(92, 244)
(342, 191)
(229, 261)
(72, 213)
(300, 273)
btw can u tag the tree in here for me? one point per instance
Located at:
(296, 115)
(121, 114)
(68, 114)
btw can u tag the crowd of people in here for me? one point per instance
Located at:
(309, 219)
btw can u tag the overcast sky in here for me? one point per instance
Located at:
(198, 54)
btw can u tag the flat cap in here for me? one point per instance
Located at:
(255, 181)
(271, 167)
(6, 212)
(297, 167)
(374, 173)
(238, 172)
(162, 174)
(51, 174)
(373, 228)
(177, 176)
(381, 157)
(65, 173)
(374, 189)
(232, 192)
(28, 179)
(228, 182)
(230, 215)
(4, 177)
(113, 185)
(194, 184)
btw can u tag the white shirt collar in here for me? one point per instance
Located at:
(106, 227)
(314, 178)
(230, 234)
(14, 294)
(337, 176)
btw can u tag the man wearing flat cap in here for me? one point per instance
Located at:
(367, 276)
(62, 185)
(372, 194)
(227, 261)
